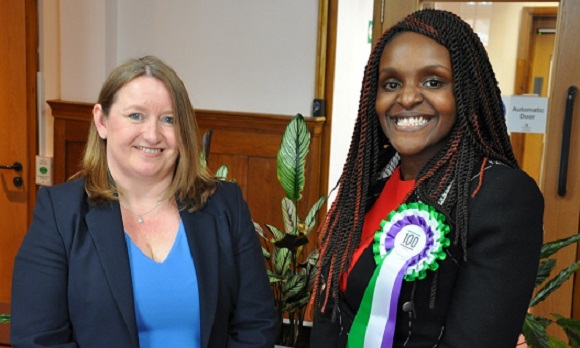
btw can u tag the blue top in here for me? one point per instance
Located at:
(166, 296)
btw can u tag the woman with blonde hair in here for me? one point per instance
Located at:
(142, 248)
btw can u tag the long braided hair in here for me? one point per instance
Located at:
(479, 134)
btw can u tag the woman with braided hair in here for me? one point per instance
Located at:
(434, 237)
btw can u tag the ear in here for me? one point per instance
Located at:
(100, 120)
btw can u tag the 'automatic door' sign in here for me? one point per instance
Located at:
(526, 114)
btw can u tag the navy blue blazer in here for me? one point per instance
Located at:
(72, 279)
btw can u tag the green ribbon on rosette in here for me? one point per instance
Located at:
(409, 242)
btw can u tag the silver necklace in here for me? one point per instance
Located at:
(140, 216)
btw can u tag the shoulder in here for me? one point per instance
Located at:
(508, 199)
(63, 201)
(64, 193)
(227, 194)
(502, 180)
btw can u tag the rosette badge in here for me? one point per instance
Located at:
(409, 242)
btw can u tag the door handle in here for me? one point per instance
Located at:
(566, 134)
(17, 167)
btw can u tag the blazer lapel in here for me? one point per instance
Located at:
(201, 230)
(106, 228)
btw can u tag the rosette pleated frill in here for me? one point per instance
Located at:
(408, 243)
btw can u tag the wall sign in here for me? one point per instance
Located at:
(526, 114)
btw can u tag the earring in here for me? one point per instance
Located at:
(104, 137)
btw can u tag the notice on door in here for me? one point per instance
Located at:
(526, 114)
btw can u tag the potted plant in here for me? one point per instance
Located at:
(291, 270)
(534, 329)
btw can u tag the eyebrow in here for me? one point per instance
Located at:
(428, 67)
(139, 108)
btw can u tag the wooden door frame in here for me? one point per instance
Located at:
(523, 64)
(326, 63)
(32, 62)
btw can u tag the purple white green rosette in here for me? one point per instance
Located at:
(409, 242)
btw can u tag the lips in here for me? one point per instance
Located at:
(411, 121)
(148, 149)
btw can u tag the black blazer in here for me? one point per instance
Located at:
(479, 303)
(72, 279)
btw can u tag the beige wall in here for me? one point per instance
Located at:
(248, 56)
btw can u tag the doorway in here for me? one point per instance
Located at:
(535, 54)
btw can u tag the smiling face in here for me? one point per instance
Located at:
(140, 132)
(415, 101)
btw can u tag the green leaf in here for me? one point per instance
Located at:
(555, 342)
(555, 283)
(571, 327)
(534, 331)
(266, 253)
(294, 286)
(222, 172)
(544, 270)
(4, 318)
(259, 229)
(273, 278)
(289, 215)
(312, 268)
(292, 306)
(292, 157)
(278, 235)
(550, 248)
(202, 159)
(283, 258)
(310, 220)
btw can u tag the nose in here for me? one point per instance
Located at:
(409, 96)
(151, 132)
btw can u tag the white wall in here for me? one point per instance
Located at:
(49, 66)
(249, 56)
(352, 53)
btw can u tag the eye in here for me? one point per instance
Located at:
(136, 116)
(391, 85)
(433, 84)
(167, 119)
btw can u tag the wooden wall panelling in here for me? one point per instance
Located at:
(247, 143)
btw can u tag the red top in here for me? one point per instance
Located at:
(391, 197)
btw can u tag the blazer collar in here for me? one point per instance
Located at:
(106, 228)
(202, 237)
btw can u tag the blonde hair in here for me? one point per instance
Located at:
(191, 184)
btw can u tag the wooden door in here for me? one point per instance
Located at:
(534, 60)
(562, 212)
(18, 66)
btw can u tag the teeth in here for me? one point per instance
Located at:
(148, 150)
(410, 121)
